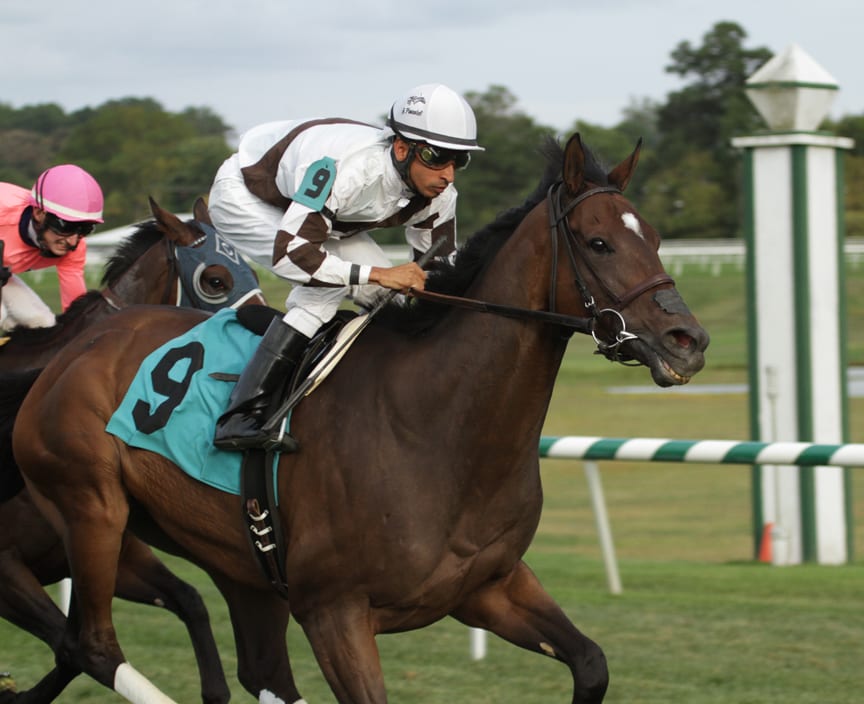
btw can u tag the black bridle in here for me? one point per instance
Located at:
(598, 318)
(611, 317)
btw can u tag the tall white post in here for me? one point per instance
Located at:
(794, 228)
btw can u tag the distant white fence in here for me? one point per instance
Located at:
(714, 255)
(710, 255)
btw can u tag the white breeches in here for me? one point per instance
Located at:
(309, 307)
(251, 225)
(20, 306)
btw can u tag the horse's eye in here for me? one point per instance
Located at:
(216, 284)
(599, 245)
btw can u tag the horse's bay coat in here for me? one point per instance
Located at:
(396, 516)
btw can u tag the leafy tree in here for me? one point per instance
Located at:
(205, 122)
(703, 117)
(25, 155)
(508, 171)
(135, 149)
(45, 119)
(680, 198)
(640, 121)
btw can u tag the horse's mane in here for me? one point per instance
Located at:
(453, 278)
(131, 249)
(35, 336)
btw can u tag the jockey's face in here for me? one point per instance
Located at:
(425, 180)
(54, 241)
(60, 244)
(431, 182)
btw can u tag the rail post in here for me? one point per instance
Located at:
(794, 230)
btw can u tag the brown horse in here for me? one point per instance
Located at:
(416, 490)
(148, 267)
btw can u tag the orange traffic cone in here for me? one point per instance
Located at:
(765, 543)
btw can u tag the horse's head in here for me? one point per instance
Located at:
(608, 265)
(169, 261)
(211, 273)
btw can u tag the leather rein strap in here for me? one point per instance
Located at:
(558, 225)
(582, 325)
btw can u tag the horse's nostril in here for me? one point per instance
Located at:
(683, 339)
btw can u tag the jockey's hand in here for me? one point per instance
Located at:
(5, 273)
(399, 278)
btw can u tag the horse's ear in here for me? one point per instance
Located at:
(200, 212)
(573, 171)
(173, 227)
(620, 175)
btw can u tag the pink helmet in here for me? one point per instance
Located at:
(68, 192)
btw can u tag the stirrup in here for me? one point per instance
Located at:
(271, 443)
(280, 440)
(256, 439)
(283, 442)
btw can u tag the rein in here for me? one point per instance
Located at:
(582, 325)
(559, 227)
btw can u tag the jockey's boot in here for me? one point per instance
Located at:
(239, 428)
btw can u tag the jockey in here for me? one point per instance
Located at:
(45, 227)
(299, 197)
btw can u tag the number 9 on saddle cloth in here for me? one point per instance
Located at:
(181, 389)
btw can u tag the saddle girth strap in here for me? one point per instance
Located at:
(261, 516)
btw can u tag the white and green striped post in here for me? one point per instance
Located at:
(794, 228)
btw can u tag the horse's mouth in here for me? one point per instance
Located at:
(673, 357)
(670, 373)
(662, 372)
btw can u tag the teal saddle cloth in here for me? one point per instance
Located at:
(173, 403)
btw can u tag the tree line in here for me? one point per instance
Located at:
(688, 183)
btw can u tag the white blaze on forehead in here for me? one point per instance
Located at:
(631, 222)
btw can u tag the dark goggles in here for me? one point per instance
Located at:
(67, 228)
(439, 158)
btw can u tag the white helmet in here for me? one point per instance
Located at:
(437, 115)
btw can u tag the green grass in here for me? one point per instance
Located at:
(682, 632)
(698, 622)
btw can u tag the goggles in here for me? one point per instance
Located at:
(439, 158)
(67, 228)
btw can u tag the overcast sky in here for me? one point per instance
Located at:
(252, 61)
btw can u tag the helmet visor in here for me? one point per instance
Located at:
(440, 158)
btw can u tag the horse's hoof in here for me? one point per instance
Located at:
(7, 684)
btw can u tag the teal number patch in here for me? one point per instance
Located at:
(317, 183)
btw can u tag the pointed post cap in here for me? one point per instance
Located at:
(791, 91)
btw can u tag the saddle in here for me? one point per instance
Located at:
(257, 474)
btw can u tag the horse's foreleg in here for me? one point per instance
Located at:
(260, 620)
(343, 641)
(47, 690)
(94, 536)
(518, 609)
(25, 603)
(145, 579)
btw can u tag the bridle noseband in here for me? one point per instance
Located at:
(559, 225)
(598, 318)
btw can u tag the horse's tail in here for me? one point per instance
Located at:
(14, 386)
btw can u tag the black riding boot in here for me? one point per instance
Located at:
(239, 428)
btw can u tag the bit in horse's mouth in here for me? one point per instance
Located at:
(676, 377)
